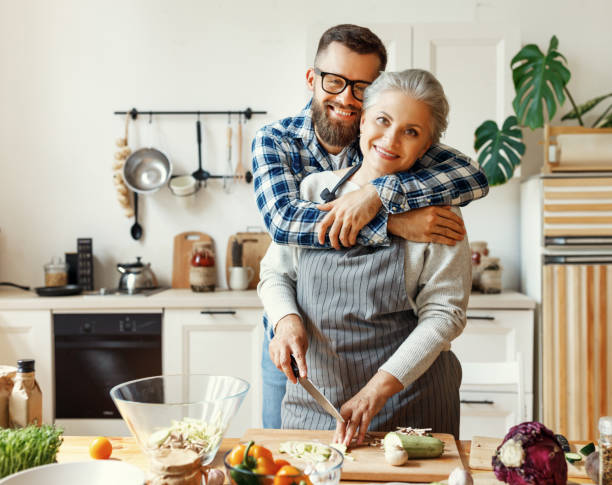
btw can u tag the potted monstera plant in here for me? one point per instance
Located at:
(540, 82)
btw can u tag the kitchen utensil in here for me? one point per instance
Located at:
(240, 277)
(483, 449)
(183, 185)
(152, 405)
(241, 173)
(368, 462)
(236, 253)
(136, 276)
(136, 229)
(200, 175)
(65, 290)
(92, 472)
(146, 170)
(327, 472)
(226, 182)
(315, 393)
(254, 246)
(181, 258)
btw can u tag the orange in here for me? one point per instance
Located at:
(100, 448)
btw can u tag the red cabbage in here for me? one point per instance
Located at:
(543, 462)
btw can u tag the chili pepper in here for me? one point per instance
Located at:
(243, 473)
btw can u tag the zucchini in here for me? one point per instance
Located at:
(573, 457)
(416, 446)
(586, 450)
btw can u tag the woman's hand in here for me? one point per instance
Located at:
(289, 338)
(347, 215)
(363, 406)
(436, 224)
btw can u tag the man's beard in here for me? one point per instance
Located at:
(334, 133)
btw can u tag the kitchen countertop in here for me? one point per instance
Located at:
(15, 299)
(76, 448)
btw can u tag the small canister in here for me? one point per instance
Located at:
(202, 272)
(605, 450)
(56, 273)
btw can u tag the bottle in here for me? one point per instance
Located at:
(202, 273)
(25, 402)
(175, 467)
(605, 450)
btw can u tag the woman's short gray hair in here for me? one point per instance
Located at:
(418, 84)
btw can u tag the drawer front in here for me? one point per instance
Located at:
(497, 335)
(491, 413)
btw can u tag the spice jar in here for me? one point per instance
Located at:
(605, 450)
(202, 273)
(56, 273)
(175, 467)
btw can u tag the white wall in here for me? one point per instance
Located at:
(66, 65)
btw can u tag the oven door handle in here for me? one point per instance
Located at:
(117, 344)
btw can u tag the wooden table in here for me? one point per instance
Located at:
(76, 448)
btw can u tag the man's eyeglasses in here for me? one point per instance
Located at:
(335, 84)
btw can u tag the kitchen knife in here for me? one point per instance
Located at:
(315, 393)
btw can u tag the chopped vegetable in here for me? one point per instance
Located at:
(189, 433)
(586, 450)
(416, 446)
(459, 476)
(396, 455)
(573, 457)
(530, 454)
(306, 450)
(28, 447)
(100, 449)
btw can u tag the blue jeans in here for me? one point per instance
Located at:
(274, 383)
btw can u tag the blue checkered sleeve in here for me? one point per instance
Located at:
(444, 176)
(289, 219)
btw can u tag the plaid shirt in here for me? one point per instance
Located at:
(287, 151)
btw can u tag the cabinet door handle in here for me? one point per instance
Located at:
(480, 317)
(218, 312)
(484, 401)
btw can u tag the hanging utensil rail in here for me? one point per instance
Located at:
(247, 113)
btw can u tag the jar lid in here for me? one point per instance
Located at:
(605, 425)
(25, 365)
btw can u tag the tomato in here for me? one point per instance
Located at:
(100, 448)
(290, 475)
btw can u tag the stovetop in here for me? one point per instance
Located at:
(118, 292)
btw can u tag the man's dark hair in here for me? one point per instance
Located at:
(359, 39)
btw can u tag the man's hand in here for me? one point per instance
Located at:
(348, 215)
(363, 406)
(436, 224)
(289, 338)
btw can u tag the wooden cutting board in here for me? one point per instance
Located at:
(484, 448)
(369, 463)
(181, 257)
(254, 247)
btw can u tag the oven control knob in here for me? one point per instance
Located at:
(87, 327)
(128, 326)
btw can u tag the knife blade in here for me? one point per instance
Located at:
(315, 393)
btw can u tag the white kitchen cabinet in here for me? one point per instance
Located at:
(495, 335)
(28, 335)
(220, 341)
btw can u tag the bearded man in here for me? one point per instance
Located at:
(323, 136)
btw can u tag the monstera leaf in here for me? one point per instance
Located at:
(538, 79)
(500, 150)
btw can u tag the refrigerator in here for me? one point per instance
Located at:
(566, 266)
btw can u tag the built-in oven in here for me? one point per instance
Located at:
(96, 351)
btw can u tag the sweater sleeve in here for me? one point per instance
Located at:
(441, 299)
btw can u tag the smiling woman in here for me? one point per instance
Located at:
(378, 321)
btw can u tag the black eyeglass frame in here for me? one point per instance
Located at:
(347, 82)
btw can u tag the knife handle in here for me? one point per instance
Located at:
(563, 442)
(294, 367)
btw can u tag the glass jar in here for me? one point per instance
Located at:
(605, 450)
(56, 273)
(202, 272)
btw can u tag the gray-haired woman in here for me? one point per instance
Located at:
(373, 326)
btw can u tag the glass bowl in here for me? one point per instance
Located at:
(180, 411)
(321, 473)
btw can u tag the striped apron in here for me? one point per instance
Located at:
(357, 314)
